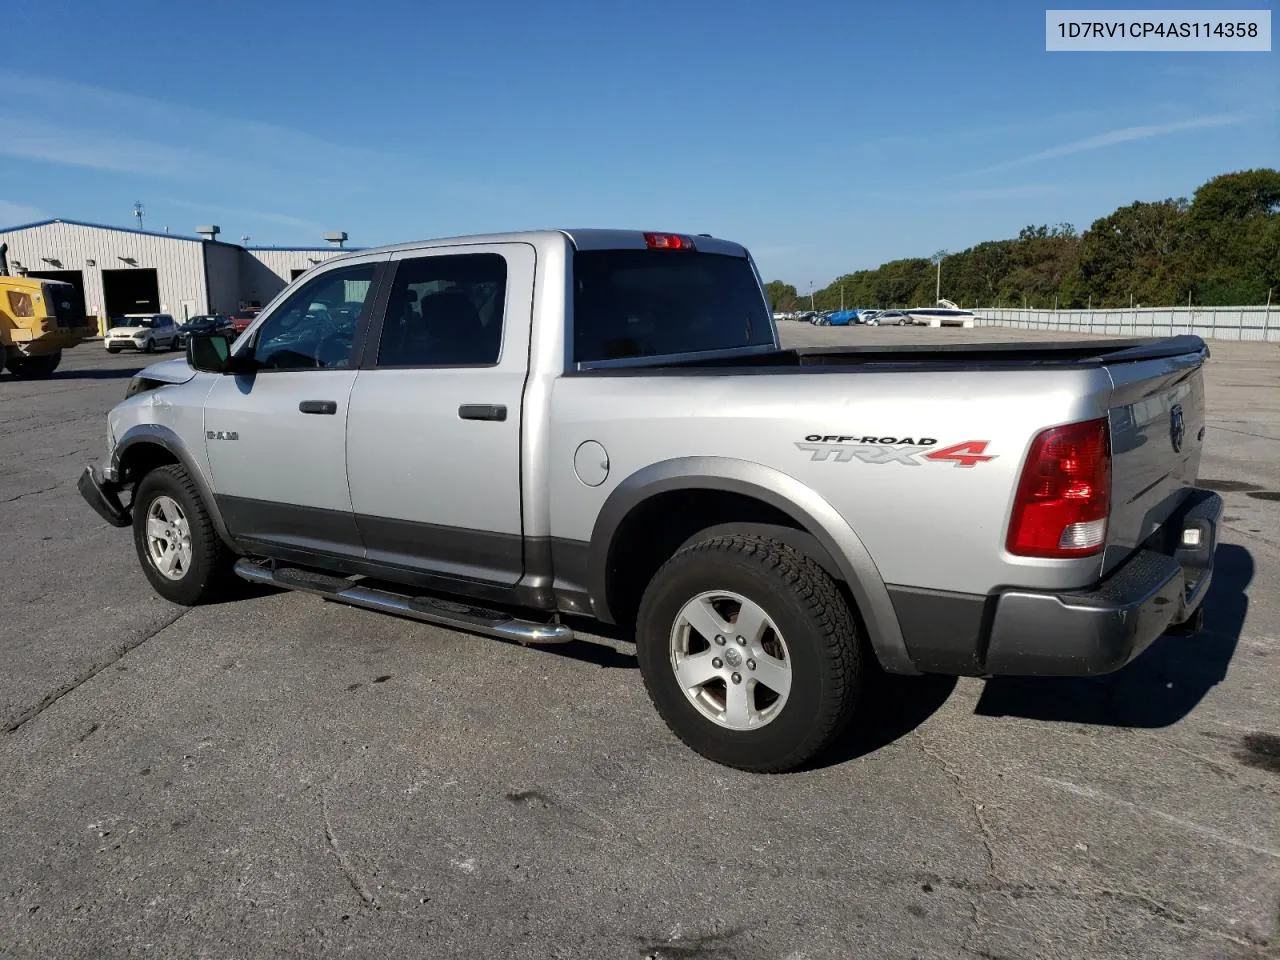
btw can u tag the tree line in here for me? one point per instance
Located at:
(1221, 248)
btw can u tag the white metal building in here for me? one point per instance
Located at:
(119, 270)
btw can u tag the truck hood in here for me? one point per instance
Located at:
(168, 371)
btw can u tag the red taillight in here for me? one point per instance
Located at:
(1064, 495)
(667, 241)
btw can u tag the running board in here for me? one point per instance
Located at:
(444, 613)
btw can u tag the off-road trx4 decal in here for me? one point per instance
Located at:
(894, 450)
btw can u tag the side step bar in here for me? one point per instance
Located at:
(444, 613)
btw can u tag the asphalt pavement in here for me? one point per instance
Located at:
(283, 777)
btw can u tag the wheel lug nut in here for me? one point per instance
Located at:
(742, 641)
(717, 663)
(751, 664)
(720, 640)
(737, 678)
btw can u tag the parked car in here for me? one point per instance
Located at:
(752, 515)
(868, 317)
(147, 332)
(204, 323)
(841, 318)
(892, 318)
(241, 320)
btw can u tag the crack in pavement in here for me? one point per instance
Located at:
(348, 870)
(1134, 898)
(31, 493)
(984, 830)
(84, 677)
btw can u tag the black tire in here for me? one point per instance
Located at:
(209, 574)
(34, 368)
(150, 347)
(809, 611)
(113, 349)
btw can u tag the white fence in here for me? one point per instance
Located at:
(1218, 323)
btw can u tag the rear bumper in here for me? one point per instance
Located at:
(1075, 633)
(104, 497)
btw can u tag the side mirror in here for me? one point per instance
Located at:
(211, 353)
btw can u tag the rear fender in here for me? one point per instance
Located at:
(842, 547)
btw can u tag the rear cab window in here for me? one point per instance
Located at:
(655, 303)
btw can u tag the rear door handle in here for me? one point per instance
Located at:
(482, 411)
(324, 407)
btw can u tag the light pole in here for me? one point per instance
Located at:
(937, 286)
(811, 295)
(137, 212)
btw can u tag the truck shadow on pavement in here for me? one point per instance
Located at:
(891, 707)
(1157, 689)
(109, 373)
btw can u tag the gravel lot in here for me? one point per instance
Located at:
(281, 777)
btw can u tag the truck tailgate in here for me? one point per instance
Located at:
(1157, 434)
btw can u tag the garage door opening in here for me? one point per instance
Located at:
(73, 277)
(130, 291)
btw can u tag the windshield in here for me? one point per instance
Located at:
(136, 322)
(640, 303)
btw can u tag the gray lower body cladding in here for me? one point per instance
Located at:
(1070, 633)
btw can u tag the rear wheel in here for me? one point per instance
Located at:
(177, 545)
(34, 368)
(749, 652)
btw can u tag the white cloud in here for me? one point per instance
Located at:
(56, 121)
(267, 216)
(1021, 192)
(29, 139)
(12, 214)
(1124, 135)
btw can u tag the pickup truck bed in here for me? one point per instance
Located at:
(959, 356)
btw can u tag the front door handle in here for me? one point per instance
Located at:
(482, 411)
(325, 408)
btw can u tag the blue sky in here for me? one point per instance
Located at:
(827, 136)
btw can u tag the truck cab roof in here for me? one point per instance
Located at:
(580, 238)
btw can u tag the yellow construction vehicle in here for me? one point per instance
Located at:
(38, 320)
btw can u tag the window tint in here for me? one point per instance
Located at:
(316, 326)
(445, 311)
(639, 303)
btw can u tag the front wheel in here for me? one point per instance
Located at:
(34, 368)
(150, 346)
(749, 652)
(178, 547)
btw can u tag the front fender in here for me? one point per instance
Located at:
(157, 435)
(785, 493)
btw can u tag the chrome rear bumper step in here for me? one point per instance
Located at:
(444, 613)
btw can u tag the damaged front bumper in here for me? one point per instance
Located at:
(103, 495)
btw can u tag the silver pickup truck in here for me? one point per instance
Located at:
(510, 434)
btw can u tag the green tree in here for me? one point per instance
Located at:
(781, 296)
(1222, 248)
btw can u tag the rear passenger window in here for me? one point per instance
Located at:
(445, 311)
